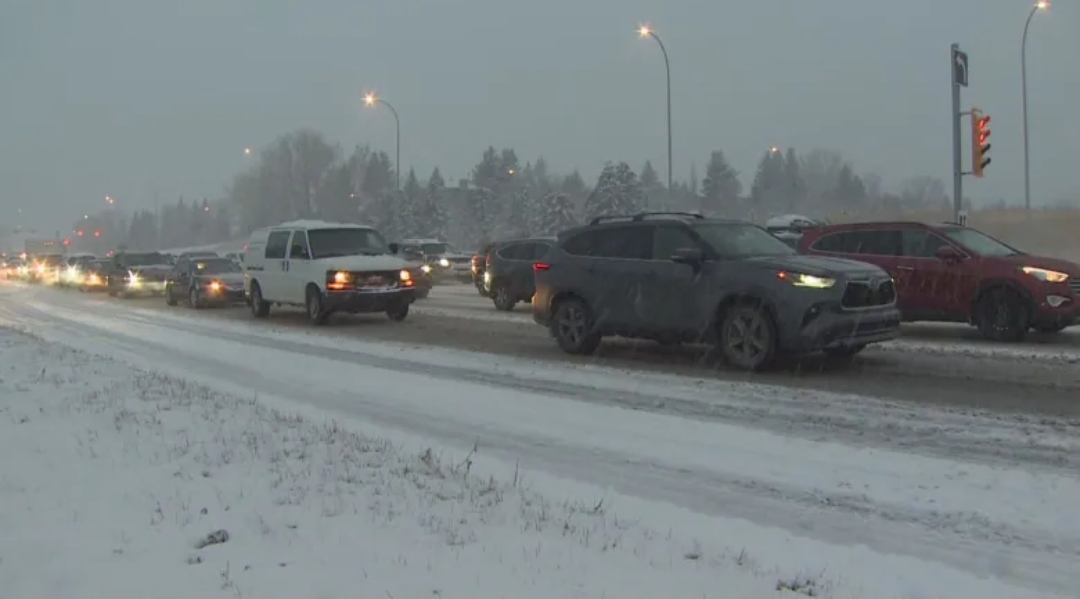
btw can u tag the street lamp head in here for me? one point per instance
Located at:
(369, 99)
(247, 151)
(1042, 5)
(644, 31)
(774, 150)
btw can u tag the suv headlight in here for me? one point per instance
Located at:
(443, 262)
(799, 279)
(1043, 274)
(425, 268)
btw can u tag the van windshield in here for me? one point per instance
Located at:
(333, 243)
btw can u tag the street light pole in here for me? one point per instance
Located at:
(646, 31)
(371, 100)
(1023, 84)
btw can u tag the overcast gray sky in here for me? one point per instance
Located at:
(129, 97)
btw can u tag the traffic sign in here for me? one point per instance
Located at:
(960, 68)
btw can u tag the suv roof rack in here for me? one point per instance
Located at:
(640, 216)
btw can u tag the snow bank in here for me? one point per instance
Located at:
(124, 483)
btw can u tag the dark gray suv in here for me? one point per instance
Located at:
(675, 277)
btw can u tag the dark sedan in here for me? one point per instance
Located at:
(205, 282)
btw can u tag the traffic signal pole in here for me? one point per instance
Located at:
(958, 70)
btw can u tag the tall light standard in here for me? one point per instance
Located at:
(371, 99)
(1040, 5)
(646, 31)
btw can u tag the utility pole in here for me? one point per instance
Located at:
(958, 68)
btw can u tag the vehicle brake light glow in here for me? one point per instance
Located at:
(538, 266)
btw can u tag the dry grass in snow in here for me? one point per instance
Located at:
(122, 483)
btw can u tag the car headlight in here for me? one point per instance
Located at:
(133, 278)
(443, 262)
(41, 269)
(799, 279)
(215, 286)
(1043, 274)
(405, 275)
(426, 269)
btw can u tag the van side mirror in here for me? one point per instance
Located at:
(947, 253)
(394, 248)
(689, 256)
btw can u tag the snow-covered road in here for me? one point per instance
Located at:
(991, 495)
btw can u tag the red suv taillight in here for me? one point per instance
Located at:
(538, 266)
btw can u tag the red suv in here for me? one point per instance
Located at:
(951, 273)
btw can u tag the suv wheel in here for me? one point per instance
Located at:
(748, 337)
(1002, 315)
(317, 314)
(259, 307)
(503, 299)
(194, 300)
(574, 328)
(170, 300)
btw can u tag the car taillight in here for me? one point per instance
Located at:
(538, 266)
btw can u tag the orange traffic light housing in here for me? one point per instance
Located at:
(980, 145)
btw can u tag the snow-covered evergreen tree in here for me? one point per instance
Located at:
(520, 214)
(617, 192)
(555, 213)
(412, 206)
(721, 187)
(656, 197)
(482, 213)
(435, 219)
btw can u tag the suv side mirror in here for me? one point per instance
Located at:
(394, 248)
(947, 253)
(689, 256)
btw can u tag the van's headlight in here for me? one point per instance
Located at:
(443, 262)
(1043, 274)
(405, 275)
(132, 278)
(799, 279)
(426, 269)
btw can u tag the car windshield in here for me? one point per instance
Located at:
(742, 240)
(216, 266)
(333, 243)
(434, 249)
(978, 242)
(52, 259)
(147, 259)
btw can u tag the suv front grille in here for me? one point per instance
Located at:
(381, 278)
(868, 294)
(1074, 284)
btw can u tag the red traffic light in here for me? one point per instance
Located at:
(67, 241)
(97, 233)
(79, 232)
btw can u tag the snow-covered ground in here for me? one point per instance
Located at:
(702, 489)
(123, 483)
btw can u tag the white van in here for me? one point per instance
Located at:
(326, 268)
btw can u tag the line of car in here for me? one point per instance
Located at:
(664, 276)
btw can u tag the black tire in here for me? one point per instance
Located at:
(259, 307)
(1002, 315)
(170, 300)
(480, 289)
(316, 312)
(398, 312)
(574, 327)
(748, 337)
(1049, 329)
(195, 300)
(502, 298)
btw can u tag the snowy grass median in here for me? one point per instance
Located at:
(122, 483)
